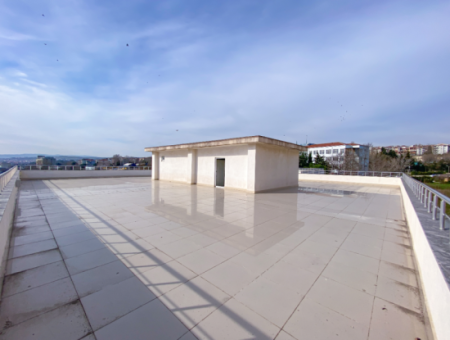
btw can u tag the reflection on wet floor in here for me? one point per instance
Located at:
(330, 192)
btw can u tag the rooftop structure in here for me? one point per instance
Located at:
(252, 164)
(139, 259)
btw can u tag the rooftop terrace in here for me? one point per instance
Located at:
(125, 258)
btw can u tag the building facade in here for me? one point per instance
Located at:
(345, 156)
(43, 160)
(440, 149)
(252, 164)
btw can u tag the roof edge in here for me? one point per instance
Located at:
(227, 142)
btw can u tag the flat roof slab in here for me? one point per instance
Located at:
(228, 142)
(128, 258)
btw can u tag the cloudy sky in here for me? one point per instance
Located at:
(105, 77)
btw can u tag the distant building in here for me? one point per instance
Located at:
(43, 160)
(87, 162)
(440, 149)
(104, 162)
(335, 153)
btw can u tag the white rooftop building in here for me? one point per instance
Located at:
(252, 164)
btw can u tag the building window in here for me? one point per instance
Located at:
(321, 152)
(316, 152)
(335, 151)
(328, 151)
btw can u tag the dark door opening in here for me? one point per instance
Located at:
(220, 172)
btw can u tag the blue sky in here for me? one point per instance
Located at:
(203, 70)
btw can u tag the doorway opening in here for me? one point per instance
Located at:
(220, 172)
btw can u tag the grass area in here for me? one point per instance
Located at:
(443, 188)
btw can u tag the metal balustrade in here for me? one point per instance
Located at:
(319, 171)
(78, 168)
(6, 177)
(433, 200)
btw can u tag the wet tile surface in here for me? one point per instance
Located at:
(131, 259)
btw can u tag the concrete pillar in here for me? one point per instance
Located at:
(155, 166)
(251, 168)
(192, 166)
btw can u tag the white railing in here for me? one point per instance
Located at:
(78, 167)
(430, 199)
(319, 171)
(6, 177)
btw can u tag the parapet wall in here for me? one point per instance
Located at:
(396, 181)
(63, 174)
(8, 198)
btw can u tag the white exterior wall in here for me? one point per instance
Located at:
(236, 169)
(174, 167)
(275, 167)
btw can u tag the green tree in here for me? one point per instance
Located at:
(320, 162)
(310, 160)
(303, 160)
(392, 154)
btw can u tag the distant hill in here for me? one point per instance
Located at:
(34, 155)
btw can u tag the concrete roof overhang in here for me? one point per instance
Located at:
(229, 142)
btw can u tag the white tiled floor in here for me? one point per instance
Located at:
(131, 259)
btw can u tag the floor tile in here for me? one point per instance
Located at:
(392, 322)
(194, 301)
(166, 277)
(89, 260)
(342, 299)
(74, 238)
(32, 261)
(81, 248)
(201, 260)
(31, 248)
(67, 322)
(352, 277)
(144, 261)
(21, 240)
(32, 278)
(399, 293)
(30, 303)
(114, 301)
(93, 280)
(229, 276)
(151, 321)
(314, 321)
(235, 321)
(398, 273)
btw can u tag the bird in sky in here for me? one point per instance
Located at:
(45, 44)
(43, 15)
(127, 44)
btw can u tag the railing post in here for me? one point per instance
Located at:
(429, 201)
(433, 212)
(425, 198)
(442, 215)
